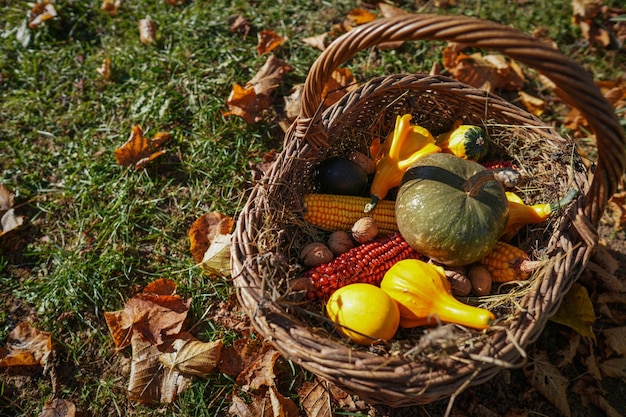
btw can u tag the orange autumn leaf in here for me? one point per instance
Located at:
(204, 230)
(139, 150)
(268, 41)
(359, 16)
(26, 346)
(110, 6)
(151, 314)
(252, 99)
(40, 12)
(341, 82)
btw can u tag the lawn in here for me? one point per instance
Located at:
(95, 233)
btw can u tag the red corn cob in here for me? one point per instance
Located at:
(499, 164)
(365, 263)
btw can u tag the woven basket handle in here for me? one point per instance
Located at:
(576, 85)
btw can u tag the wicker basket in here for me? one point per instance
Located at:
(422, 366)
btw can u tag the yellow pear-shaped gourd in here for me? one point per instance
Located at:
(424, 297)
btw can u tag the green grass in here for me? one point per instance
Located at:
(96, 232)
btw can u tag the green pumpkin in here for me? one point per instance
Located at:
(451, 209)
(465, 141)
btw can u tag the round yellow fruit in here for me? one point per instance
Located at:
(364, 313)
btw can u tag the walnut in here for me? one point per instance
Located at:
(340, 242)
(315, 254)
(365, 230)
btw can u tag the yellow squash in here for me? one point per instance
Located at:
(424, 297)
(406, 144)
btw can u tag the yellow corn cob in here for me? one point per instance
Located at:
(339, 212)
(508, 263)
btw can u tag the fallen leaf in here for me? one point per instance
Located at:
(548, 381)
(268, 41)
(192, 356)
(148, 381)
(111, 6)
(105, 68)
(138, 150)
(151, 315)
(591, 393)
(341, 82)
(606, 280)
(243, 352)
(26, 346)
(58, 408)
(603, 257)
(253, 98)
(315, 398)
(205, 229)
(614, 368)
(568, 353)
(239, 24)
(6, 198)
(489, 72)
(576, 311)
(615, 339)
(40, 12)
(9, 220)
(388, 10)
(216, 260)
(241, 408)
(147, 30)
(533, 104)
(281, 405)
(230, 315)
(260, 373)
(317, 41)
(359, 16)
(161, 286)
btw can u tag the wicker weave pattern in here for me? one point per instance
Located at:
(269, 229)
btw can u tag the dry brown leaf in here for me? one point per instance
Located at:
(533, 104)
(489, 72)
(293, 102)
(58, 408)
(589, 392)
(241, 408)
(192, 356)
(9, 220)
(105, 68)
(268, 41)
(341, 82)
(239, 24)
(576, 311)
(26, 346)
(317, 41)
(614, 367)
(605, 279)
(315, 398)
(6, 198)
(591, 363)
(342, 398)
(149, 382)
(147, 30)
(253, 98)
(243, 352)
(111, 6)
(548, 381)
(152, 315)
(388, 10)
(281, 405)
(260, 373)
(40, 12)
(615, 339)
(230, 315)
(205, 229)
(138, 150)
